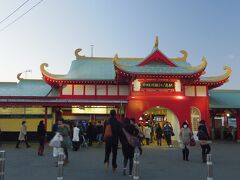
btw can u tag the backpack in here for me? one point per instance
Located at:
(132, 140)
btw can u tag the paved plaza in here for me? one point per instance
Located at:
(156, 164)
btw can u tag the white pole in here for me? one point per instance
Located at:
(136, 166)
(209, 167)
(2, 164)
(60, 166)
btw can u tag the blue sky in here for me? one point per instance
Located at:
(55, 28)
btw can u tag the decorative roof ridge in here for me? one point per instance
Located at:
(225, 76)
(201, 66)
(110, 58)
(183, 58)
(8, 82)
(46, 73)
(225, 90)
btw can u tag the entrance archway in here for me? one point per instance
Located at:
(159, 114)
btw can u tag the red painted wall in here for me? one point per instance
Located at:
(180, 105)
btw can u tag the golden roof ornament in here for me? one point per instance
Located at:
(156, 42)
(183, 58)
(19, 76)
(77, 53)
(115, 57)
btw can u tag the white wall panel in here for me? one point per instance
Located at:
(112, 90)
(67, 90)
(90, 90)
(78, 89)
(123, 90)
(101, 90)
(189, 90)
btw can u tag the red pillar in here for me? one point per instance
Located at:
(238, 126)
(46, 117)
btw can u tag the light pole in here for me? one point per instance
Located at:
(25, 72)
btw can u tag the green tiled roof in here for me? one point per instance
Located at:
(25, 87)
(224, 98)
(91, 69)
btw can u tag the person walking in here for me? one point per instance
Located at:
(185, 137)
(168, 133)
(41, 132)
(159, 133)
(148, 134)
(99, 132)
(66, 143)
(23, 135)
(76, 139)
(127, 149)
(111, 144)
(204, 138)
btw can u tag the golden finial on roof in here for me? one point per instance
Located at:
(77, 53)
(115, 57)
(183, 58)
(156, 42)
(19, 76)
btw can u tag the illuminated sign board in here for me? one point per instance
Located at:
(165, 85)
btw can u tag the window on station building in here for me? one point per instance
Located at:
(195, 118)
(78, 89)
(101, 90)
(67, 90)
(123, 90)
(201, 90)
(189, 90)
(112, 90)
(90, 90)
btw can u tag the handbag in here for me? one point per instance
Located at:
(56, 141)
(108, 132)
(132, 140)
(192, 142)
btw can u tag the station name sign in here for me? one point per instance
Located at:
(167, 85)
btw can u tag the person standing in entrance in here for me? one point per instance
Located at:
(185, 137)
(168, 133)
(204, 138)
(41, 131)
(112, 141)
(23, 135)
(159, 133)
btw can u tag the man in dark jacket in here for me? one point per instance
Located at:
(112, 142)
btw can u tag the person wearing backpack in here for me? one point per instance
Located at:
(204, 138)
(128, 148)
(112, 127)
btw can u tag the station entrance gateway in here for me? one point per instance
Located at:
(161, 115)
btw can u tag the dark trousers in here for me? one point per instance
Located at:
(125, 161)
(205, 150)
(41, 146)
(185, 152)
(169, 139)
(159, 141)
(147, 141)
(17, 145)
(75, 145)
(111, 147)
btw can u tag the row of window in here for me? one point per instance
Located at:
(100, 90)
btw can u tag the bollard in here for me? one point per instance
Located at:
(2, 164)
(60, 166)
(209, 167)
(136, 166)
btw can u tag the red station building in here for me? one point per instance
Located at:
(154, 88)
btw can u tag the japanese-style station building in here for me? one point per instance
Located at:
(154, 88)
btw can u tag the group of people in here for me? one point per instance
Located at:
(186, 136)
(118, 131)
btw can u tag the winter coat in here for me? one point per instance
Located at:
(22, 133)
(64, 131)
(148, 132)
(185, 135)
(76, 132)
